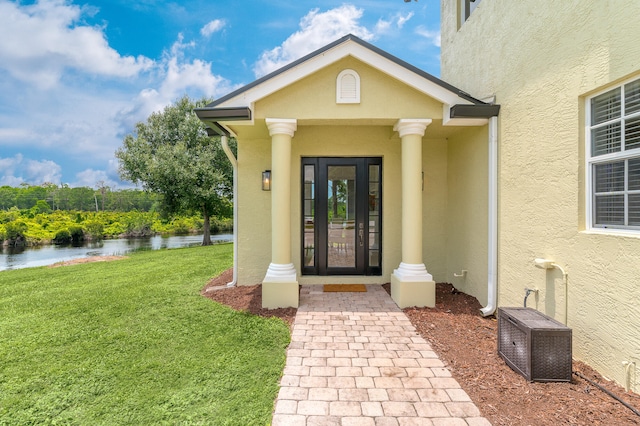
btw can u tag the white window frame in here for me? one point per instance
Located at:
(622, 155)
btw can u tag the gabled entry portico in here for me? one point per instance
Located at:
(356, 142)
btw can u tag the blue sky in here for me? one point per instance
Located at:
(76, 76)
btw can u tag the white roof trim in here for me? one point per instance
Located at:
(330, 56)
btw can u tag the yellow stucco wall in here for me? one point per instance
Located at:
(254, 211)
(467, 207)
(382, 97)
(540, 59)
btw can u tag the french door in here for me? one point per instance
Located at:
(341, 216)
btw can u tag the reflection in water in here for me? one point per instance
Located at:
(24, 257)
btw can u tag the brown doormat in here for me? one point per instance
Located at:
(344, 288)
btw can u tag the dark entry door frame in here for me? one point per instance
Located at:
(341, 216)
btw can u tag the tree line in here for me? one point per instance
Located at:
(51, 197)
(34, 227)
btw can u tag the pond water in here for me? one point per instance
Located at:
(26, 257)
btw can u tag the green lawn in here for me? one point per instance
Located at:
(133, 342)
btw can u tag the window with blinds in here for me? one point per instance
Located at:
(614, 157)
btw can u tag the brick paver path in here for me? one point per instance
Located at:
(355, 359)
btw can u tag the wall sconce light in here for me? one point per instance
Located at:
(266, 180)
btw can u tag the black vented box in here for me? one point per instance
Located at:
(534, 345)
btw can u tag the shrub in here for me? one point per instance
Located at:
(114, 229)
(95, 229)
(139, 225)
(10, 215)
(16, 232)
(63, 236)
(181, 226)
(221, 224)
(77, 234)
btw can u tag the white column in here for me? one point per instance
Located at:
(412, 268)
(280, 288)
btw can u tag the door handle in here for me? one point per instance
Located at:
(361, 235)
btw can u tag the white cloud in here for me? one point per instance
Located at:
(316, 30)
(43, 171)
(91, 177)
(17, 169)
(14, 135)
(8, 180)
(212, 27)
(401, 20)
(8, 168)
(52, 40)
(384, 26)
(176, 77)
(432, 36)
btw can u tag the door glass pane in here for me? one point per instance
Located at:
(374, 215)
(374, 241)
(309, 215)
(341, 215)
(374, 258)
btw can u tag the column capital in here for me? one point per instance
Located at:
(282, 126)
(411, 126)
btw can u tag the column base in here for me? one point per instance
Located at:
(280, 287)
(412, 285)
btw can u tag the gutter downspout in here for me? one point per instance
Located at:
(492, 285)
(234, 162)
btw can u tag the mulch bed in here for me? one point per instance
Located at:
(466, 343)
(243, 298)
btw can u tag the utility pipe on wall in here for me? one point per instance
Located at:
(492, 270)
(234, 163)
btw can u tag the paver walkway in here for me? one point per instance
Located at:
(355, 359)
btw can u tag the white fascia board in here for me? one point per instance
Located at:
(348, 48)
(284, 79)
(406, 76)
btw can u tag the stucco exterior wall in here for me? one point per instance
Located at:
(541, 59)
(467, 207)
(434, 208)
(381, 97)
(254, 211)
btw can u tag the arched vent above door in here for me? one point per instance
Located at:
(348, 87)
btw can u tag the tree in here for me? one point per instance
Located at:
(171, 154)
(103, 189)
